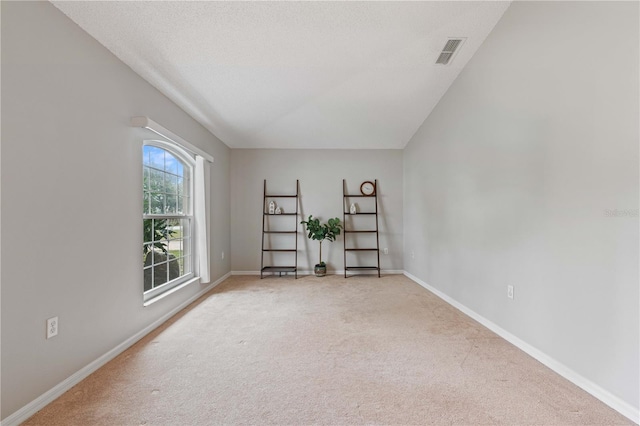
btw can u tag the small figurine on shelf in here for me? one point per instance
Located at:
(353, 209)
(279, 210)
(272, 208)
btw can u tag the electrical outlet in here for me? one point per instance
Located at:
(385, 250)
(510, 291)
(222, 255)
(52, 327)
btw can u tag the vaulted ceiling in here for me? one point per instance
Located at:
(358, 75)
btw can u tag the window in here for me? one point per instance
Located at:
(168, 245)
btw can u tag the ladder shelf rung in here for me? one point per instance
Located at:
(352, 268)
(281, 196)
(358, 214)
(361, 249)
(279, 268)
(280, 232)
(349, 232)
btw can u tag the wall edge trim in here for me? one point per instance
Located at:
(585, 384)
(49, 396)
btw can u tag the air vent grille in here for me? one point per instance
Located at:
(444, 58)
(449, 49)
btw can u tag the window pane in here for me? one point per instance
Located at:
(171, 190)
(174, 267)
(176, 228)
(160, 274)
(147, 225)
(170, 184)
(155, 156)
(157, 203)
(145, 178)
(145, 203)
(146, 249)
(156, 180)
(148, 278)
(146, 155)
(170, 163)
(180, 186)
(171, 203)
(160, 231)
(180, 205)
(175, 248)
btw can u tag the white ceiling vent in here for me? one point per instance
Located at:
(450, 48)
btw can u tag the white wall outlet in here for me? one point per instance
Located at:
(222, 255)
(510, 291)
(52, 327)
(385, 250)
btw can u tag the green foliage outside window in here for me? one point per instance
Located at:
(158, 230)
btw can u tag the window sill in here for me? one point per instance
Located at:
(168, 292)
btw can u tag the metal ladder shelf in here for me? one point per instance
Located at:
(349, 232)
(266, 231)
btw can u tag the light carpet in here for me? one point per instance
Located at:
(326, 351)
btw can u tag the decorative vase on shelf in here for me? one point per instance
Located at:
(272, 207)
(279, 210)
(352, 210)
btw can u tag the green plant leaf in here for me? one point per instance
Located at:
(322, 231)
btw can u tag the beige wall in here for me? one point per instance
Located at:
(71, 199)
(320, 173)
(514, 177)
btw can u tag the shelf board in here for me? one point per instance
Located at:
(279, 269)
(280, 214)
(282, 250)
(355, 268)
(358, 214)
(281, 196)
(351, 232)
(362, 196)
(280, 232)
(361, 249)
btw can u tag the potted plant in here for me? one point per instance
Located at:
(320, 232)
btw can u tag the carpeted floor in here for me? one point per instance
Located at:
(325, 351)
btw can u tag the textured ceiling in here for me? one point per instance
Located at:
(358, 75)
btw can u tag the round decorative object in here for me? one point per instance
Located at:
(367, 188)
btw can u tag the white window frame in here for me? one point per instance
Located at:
(169, 287)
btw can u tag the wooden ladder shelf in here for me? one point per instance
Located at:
(266, 231)
(350, 234)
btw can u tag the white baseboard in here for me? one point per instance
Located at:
(624, 408)
(49, 396)
(603, 395)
